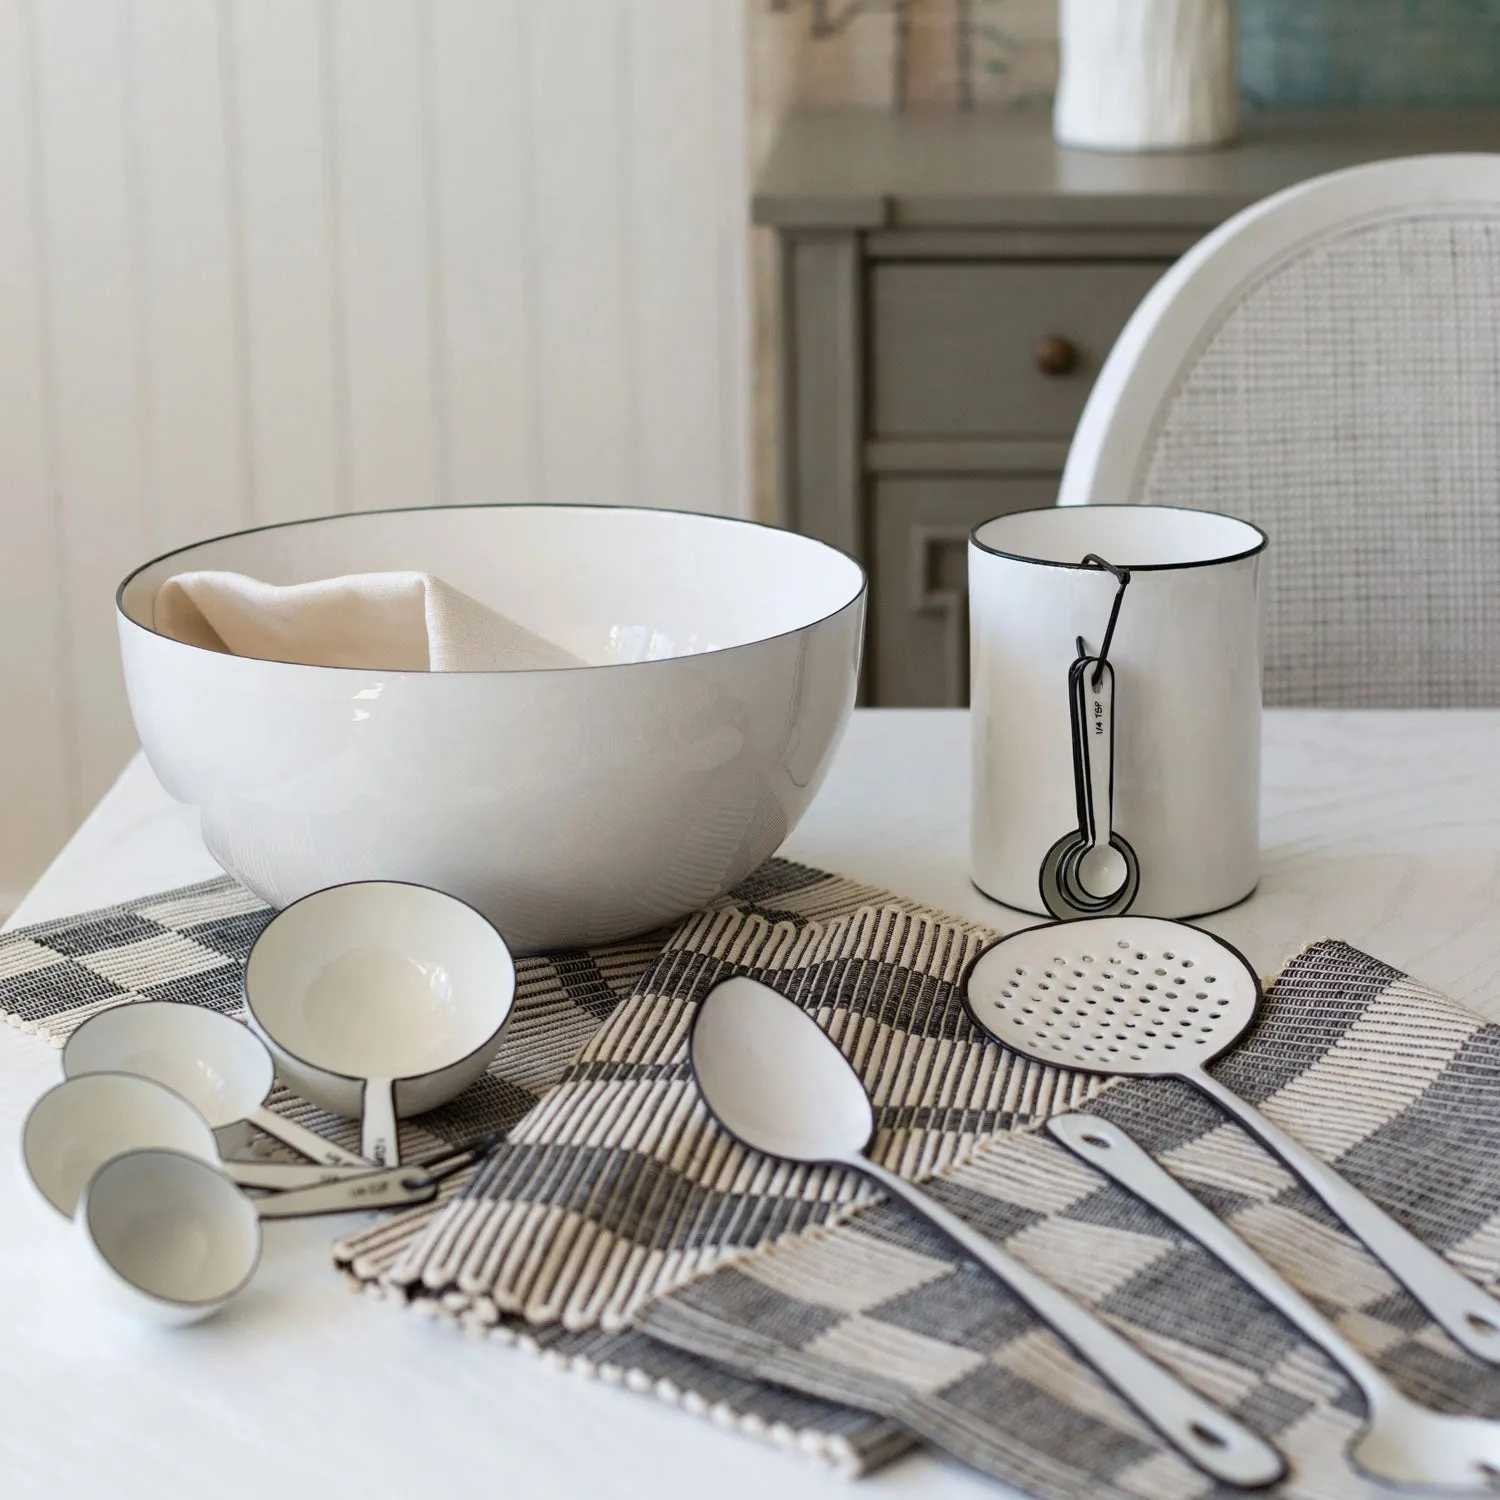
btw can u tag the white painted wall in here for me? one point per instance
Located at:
(271, 258)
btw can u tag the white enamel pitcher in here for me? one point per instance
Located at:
(1116, 710)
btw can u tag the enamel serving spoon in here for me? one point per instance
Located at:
(775, 1081)
(1402, 1443)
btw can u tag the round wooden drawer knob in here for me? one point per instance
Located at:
(1055, 356)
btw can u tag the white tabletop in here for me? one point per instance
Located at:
(1383, 829)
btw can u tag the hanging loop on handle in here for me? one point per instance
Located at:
(1122, 577)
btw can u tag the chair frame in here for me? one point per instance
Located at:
(1117, 434)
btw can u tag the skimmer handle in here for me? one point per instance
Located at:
(1198, 1429)
(1469, 1315)
(1113, 1151)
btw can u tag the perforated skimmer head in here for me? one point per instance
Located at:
(1137, 995)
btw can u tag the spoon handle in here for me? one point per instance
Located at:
(1115, 1153)
(1469, 1315)
(1203, 1434)
(1097, 711)
(312, 1145)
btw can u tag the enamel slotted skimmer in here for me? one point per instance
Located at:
(1147, 998)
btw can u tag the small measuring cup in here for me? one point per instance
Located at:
(176, 1239)
(380, 1000)
(75, 1128)
(218, 1065)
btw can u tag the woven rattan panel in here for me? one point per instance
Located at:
(1349, 403)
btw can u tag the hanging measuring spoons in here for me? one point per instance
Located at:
(1091, 871)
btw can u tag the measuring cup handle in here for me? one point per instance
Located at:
(378, 1122)
(390, 1189)
(281, 1176)
(1469, 1315)
(1210, 1438)
(312, 1145)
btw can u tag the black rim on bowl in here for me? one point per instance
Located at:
(854, 599)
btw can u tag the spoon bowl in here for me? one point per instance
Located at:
(771, 1077)
(1432, 1451)
(1102, 871)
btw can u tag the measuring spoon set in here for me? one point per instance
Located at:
(376, 1000)
(1131, 997)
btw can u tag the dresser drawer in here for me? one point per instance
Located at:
(919, 626)
(999, 349)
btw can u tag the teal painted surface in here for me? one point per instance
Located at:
(1370, 51)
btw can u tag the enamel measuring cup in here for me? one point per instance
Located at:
(219, 1066)
(85, 1121)
(1116, 705)
(175, 1238)
(380, 1000)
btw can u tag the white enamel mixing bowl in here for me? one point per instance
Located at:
(571, 807)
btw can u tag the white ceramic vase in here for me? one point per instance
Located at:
(1147, 75)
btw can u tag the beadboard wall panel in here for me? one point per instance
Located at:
(274, 258)
(35, 719)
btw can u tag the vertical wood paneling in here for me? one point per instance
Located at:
(673, 257)
(195, 461)
(264, 259)
(734, 330)
(479, 165)
(293, 335)
(35, 747)
(575, 65)
(382, 205)
(91, 241)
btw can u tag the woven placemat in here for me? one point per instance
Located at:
(620, 1204)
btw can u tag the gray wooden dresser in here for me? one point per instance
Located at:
(951, 284)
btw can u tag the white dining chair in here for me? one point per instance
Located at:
(1327, 365)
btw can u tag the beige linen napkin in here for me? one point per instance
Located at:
(392, 622)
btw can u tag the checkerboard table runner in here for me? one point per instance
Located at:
(801, 1306)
